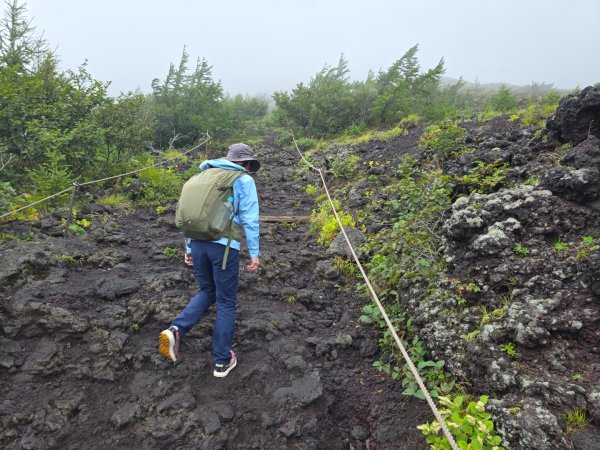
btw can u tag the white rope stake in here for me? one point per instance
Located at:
(412, 367)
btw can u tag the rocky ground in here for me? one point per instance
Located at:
(80, 314)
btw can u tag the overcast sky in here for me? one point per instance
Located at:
(261, 46)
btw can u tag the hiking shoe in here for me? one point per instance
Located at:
(221, 370)
(168, 344)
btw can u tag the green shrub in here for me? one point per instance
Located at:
(7, 195)
(305, 143)
(391, 134)
(116, 199)
(51, 177)
(344, 166)
(416, 202)
(324, 223)
(160, 186)
(170, 252)
(470, 425)
(311, 189)
(502, 101)
(410, 121)
(355, 130)
(75, 228)
(520, 250)
(588, 245)
(537, 112)
(484, 178)
(509, 349)
(575, 420)
(284, 138)
(444, 139)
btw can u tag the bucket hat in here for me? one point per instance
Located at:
(242, 152)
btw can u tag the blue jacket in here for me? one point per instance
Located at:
(245, 205)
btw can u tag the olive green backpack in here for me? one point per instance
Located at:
(201, 210)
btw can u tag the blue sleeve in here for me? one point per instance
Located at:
(246, 209)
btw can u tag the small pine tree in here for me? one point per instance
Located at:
(51, 177)
(503, 101)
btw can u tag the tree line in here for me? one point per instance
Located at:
(58, 126)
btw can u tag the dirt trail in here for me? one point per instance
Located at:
(81, 317)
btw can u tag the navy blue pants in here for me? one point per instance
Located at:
(216, 286)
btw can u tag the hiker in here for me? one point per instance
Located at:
(218, 282)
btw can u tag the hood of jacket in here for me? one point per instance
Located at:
(220, 164)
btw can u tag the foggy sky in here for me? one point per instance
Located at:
(258, 47)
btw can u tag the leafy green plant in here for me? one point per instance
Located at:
(84, 223)
(170, 252)
(520, 250)
(305, 143)
(408, 248)
(291, 299)
(509, 349)
(514, 410)
(577, 377)
(311, 190)
(75, 228)
(324, 223)
(483, 178)
(115, 199)
(410, 121)
(444, 139)
(7, 194)
(344, 166)
(135, 327)
(347, 268)
(438, 381)
(588, 245)
(28, 236)
(560, 246)
(284, 138)
(494, 315)
(470, 425)
(589, 241)
(391, 134)
(289, 225)
(575, 420)
(537, 112)
(470, 337)
(532, 181)
(67, 258)
(160, 186)
(432, 372)
(354, 130)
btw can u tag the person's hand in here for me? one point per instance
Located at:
(187, 258)
(253, 266)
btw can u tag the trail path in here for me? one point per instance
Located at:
(78, 354)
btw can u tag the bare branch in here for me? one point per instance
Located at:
(173, 140)
(5, 160)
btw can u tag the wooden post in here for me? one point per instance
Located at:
(206, 147)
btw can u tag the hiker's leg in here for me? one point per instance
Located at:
(226, 282)
(203, 269)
